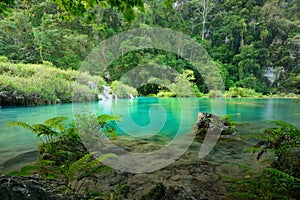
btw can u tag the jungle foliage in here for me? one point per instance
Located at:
(254, 44)
(34, 84)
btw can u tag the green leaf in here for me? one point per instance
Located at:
(42, 129)
(87, 164)
(21, 124)
(57, 123)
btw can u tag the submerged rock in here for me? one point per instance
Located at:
(15, 188)
(208, 121)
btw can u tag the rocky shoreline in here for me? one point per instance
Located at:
(188, 177)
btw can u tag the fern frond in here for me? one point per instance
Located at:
(245, 167)
(85, 164)
(45, 162)
(79, 165)
(57, 123)
(21, 124)
(42, 129)
(100, 159)
(285, 125)
(280, 174)
(70, 155)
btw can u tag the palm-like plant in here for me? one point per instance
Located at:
(61, 143)
(47, 133)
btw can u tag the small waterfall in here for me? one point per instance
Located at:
(105, 95)
(106, 91)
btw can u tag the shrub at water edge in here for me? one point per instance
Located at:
(30, 84)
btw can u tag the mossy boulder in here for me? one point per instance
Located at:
(209, 122)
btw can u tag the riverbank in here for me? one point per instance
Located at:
(44, 84)
(41, 84)
(14, 158)
(188, 177)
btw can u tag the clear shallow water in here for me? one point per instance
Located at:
(146, 116)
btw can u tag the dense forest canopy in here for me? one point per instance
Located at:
(254, 43)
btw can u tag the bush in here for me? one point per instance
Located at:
(122, 90)
(151, 95)
(283, 141)
(28, 84)
(62, 151)
(165, 94)
(268, 183)
(242, 92)
(197, 91)
(281, 179)
(183, 85)
(4, 59)
(215, 94)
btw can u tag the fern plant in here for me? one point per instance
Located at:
(62, 153)
(283, 141)
(279, 180)
(58, 140)
(265, 184)
(47, 132)
(85, 168)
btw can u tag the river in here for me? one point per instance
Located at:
(146, 117)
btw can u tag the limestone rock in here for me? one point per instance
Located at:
(208, 121)
(15, 188)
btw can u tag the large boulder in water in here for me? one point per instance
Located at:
(208, 121)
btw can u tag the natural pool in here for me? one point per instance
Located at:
(146, 117)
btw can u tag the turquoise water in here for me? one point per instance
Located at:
(144, 117)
